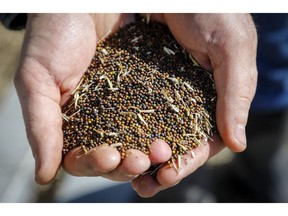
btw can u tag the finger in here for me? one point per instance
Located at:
(159, 17)
(106, 161)
(170, 175)
(227, 43)
(159, 152)
(235, 74)
(109, 23)
(47, 65)
(39, 99)
(232, 110)
(146, 186)
(102, 159)
(134, 163)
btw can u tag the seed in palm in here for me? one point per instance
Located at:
(141, 86)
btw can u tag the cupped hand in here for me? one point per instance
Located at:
(58, 49)
(224, 44)
(56, 52)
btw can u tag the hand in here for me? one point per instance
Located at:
(57, 50)
(225, 44)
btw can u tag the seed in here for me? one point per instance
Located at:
(104, 51)
(137, 89)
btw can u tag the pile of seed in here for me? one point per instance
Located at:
(140, 86)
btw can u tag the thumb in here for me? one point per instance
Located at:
(235, 75)
(39, 98)
(227, 44)
(233, 102)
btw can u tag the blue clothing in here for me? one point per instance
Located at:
(272, 62)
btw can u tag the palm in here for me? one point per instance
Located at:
(56, 52)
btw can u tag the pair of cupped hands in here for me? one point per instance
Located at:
(58, 48)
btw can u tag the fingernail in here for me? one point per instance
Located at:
(240, 135)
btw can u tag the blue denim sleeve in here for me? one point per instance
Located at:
(272, 62)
